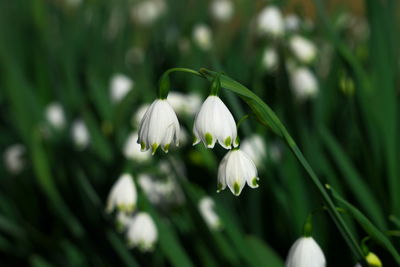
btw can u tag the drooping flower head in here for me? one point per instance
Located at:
(120, 86)
(123, 195)
(235, 170)
(303, 49)
(214, 122)
(159, 127)
(202, 36)
(270, 22)
(142, 232)
(305, 252)
(304, 83)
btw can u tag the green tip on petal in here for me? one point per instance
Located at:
(228, 141)
(237, 140)
(236, 188)
(219, 187)
(254, 181)
(154, 148)
(166, 148)
(209, 139)
(142, 146)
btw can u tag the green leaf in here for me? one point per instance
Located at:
(367, 225)
(265, 255)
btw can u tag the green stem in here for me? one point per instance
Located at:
(164, 83)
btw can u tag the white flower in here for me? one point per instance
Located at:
(303, 49)
(123, 195)
(132, 149)
(206, 208)
(142, 232)
(138, 116)
(147, 12)
(235, 169)
(80, 134)
(159, 126)
(55, 115)
(184, 104)
(292, 23)
(120, 86)
(270, 59)
(215, 122)
(202, 36)
(254, 147)
(270, 22)
(305, 252)
(222, 10)
(14, 158)
(304, 83)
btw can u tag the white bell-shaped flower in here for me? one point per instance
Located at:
(123, 195)
(206, 208)
(215, 122)
(159, 127)
(80, 134)
(254, 147)
(305, 252)
(303, 49)
(304, 83)
(14, 158)
(55, 115)
(202, 37)
(142, 232)
(270, 22)
(221, 10)
(120, 86)
(132, 150)
(138, 115)
(235, 170)
(270, 59)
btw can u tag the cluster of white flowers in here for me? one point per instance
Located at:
(213, 123)
(141, 231)
(302, 50)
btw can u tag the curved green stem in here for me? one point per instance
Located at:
(164, 83)
(268, 118)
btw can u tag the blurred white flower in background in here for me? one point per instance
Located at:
(13, 158)
(123, 219)
(184, 104)
(303, 49)
(235, 170)
(305, 252)
(55, 115)
(202, 36)
(123, 195)
(132, 150)
(148, 11)
(80, 134)
(270, 22)
(159, 127)
(138, 116)
(270, 59)
(160, 192)
(304, 83)
(206, 207)
(222, 10)
(73, 3)
(120, 85)
(292, 23)
(142, 232)
(254, 147)
(214, 122)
